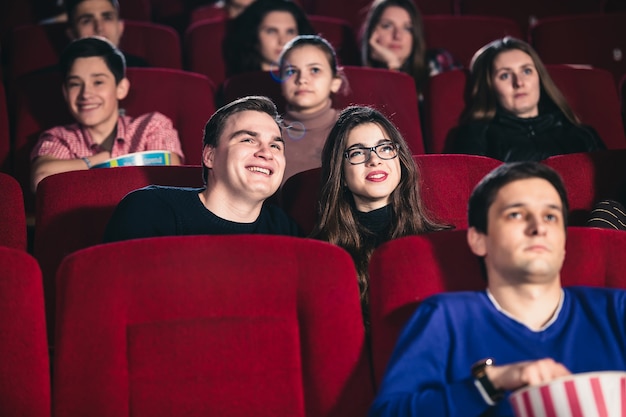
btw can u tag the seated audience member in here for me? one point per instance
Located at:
(462, 353)
(310, 76)
(393, 37)
(369, 189)
(515, 111)
(255, 39)
(98, 18)
(93, 83)
(243, 165)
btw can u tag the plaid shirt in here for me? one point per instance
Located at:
(149, 132)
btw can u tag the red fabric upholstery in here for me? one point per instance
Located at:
(203, 48)
(590, 92)
(159, 45)
(600, 41)
(5, 139)
(186, 327)
(526, 13)
(405, 271)
(447, 182)
(13, 219)
(590, 177)
(392, 93)
(184, 97)
(208, 11)
(353, 11)
(443, 104)
(136, 10)
(592, 95)
(462, 36)
(24, 364)
(299, 197)
(73, 209)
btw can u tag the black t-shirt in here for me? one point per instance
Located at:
(173, 211)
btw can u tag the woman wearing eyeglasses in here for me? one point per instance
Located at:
(369, 189)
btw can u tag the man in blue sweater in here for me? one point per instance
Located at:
(461, 354)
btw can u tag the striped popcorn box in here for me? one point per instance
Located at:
(592, 394)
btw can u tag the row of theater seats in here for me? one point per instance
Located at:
(187, 99)
(74, 207)
(201, 48)
(232, 325)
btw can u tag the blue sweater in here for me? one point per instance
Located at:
(429, 372)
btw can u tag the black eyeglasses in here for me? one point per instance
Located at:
(360, 155)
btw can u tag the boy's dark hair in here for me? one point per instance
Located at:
(485, 192)
(70, 8)
(215, 126)
(90, 47)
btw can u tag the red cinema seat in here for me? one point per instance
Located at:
(443, 104)
(184, 97)
(13, 220)
(405, 271)
(592, 95)
(392, 93)
(528, 12)
(590, 177)
(24, 363)
(203, 48)
(74, 207)
(447, 181)
(136, 10)
(210, 325)
(299, 197)
(462, 36)
(159, 45)
(600, 41)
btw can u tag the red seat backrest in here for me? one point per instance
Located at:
(443, 104)
(528, 12)
(183, 324)
(13, 220)
(24, 363)
(462, 36)
(74, 207)
(159, 45)
(203, 48)
(447, 181)
(590, 177)
(405, 271)
(592, 95)
(600, 41)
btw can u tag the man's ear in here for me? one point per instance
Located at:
(208, 155)
(122, 88)
(477, 242)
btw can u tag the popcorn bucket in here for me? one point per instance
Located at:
(592, 394)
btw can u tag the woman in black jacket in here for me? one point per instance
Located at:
(515, 111)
